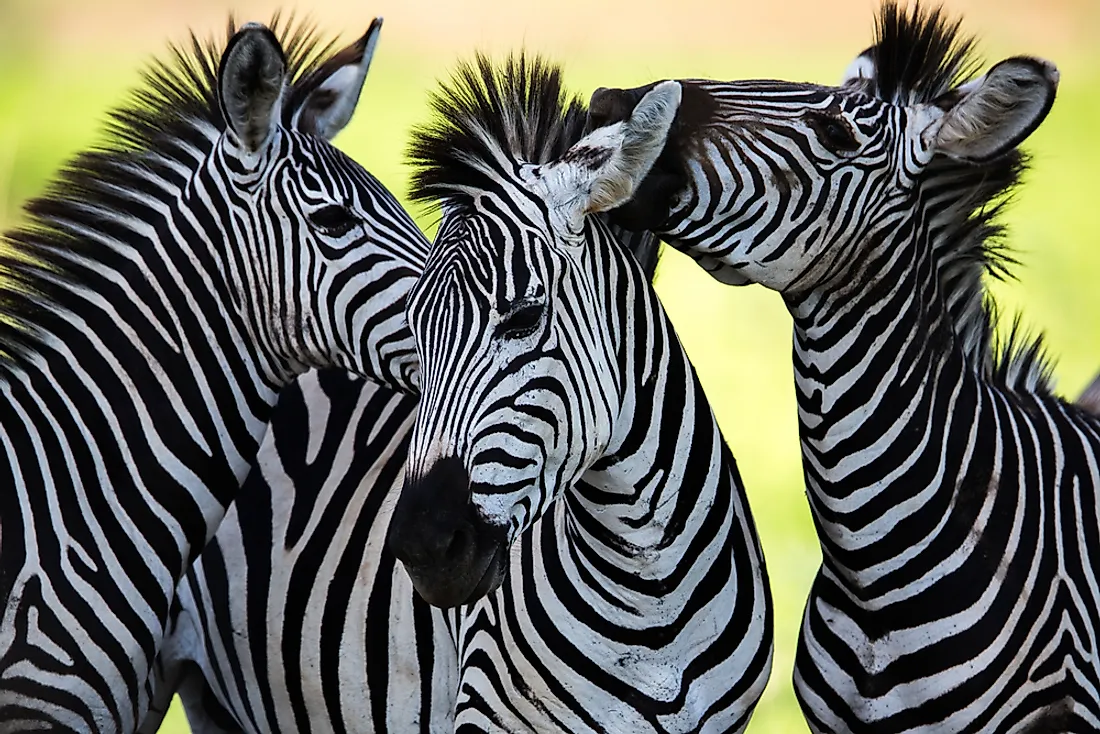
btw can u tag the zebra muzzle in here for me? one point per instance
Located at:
(451, 554)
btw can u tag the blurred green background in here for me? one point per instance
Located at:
(64, 63)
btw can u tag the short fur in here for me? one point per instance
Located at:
(162, 121)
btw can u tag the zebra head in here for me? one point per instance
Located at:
(328, 252)
(783, 183)
(514, 317)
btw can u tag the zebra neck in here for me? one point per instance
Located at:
(149, 376)
(667, 480)
(879, 375)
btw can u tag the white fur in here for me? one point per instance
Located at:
(997, 111)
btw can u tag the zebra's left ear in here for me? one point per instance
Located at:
(323, 101)
(991, 115)
(251, 80)
(609, 163)
(860, 74)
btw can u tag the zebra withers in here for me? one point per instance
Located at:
(564, 453)
(954, 495)
(162, 293)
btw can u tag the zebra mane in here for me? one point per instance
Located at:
(918, 56)
(167, 121)
(487, 117)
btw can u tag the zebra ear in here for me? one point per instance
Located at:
(609, 163)
(861, 73)
(991, 115)
(251, 79)
(323, 102)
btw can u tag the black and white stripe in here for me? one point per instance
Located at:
(162, 293)
(330, 635)
(296, 617)
(564, 453)
(954, 495)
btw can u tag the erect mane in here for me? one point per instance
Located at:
(169, 121)
(487, 117)
(920, 55)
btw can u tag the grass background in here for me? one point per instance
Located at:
(63, 64)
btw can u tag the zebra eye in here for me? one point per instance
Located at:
(521, 322)
(833, 133)
(334, 220)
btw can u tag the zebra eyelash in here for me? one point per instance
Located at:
(334, 220)
(833, 132)
(522, 321)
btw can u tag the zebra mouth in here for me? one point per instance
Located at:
(495, 572)
(451, 586)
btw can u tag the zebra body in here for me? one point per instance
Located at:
(564, 455)
(163, 292)
(294, 618)
(954, 495)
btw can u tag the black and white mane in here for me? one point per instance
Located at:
(169, 122)
(918, 57)
(487, 117)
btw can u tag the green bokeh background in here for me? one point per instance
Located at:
(63, 65)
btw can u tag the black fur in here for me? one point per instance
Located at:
(919, 55)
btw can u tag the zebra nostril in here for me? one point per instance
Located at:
(460, 544)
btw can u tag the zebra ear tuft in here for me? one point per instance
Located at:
(251, 79)
(323, 102)
(610, 163)
(990, 116)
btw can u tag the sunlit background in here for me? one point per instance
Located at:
(64, 63)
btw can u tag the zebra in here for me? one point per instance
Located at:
(161, 294)
(568, 494)
(953, 493)
(1089, 399)
(330, 635)
(324, 596)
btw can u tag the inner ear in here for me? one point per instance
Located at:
(607, 165)
(251, 78)
(323, 102)
(861, 73)
(992, 115)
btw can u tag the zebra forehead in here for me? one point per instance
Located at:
(918, 55)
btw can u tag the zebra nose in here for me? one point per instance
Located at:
(433, 524)
(609, 106)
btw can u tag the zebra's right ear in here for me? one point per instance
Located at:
(323, 102)
(251, 80)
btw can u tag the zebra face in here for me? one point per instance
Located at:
(329, 253)
(518, 360)
(780, 183)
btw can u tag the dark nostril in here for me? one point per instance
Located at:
(460, 545)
